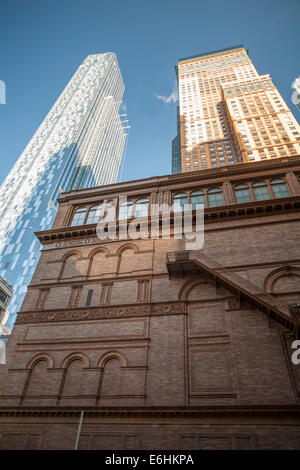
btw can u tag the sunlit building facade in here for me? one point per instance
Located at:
(79, 144)
(296, 93)
(229, 113)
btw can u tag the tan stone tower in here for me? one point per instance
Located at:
(229, 113)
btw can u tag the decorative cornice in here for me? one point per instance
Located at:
(220, 213)
(180, 178)
(101, 312)
(292, 411)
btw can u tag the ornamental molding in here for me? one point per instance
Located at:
(86, 234)
(182, 178)
(102, 313)
(290, 411)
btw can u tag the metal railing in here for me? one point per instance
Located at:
(238, 281)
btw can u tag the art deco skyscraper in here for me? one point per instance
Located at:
(229, 113)
(79, 144)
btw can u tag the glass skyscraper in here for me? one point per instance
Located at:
(79, 144)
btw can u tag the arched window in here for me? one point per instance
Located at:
(38, 379)
(179, 201)
(279, 188)
(94, 214)
(242, 193)
(261, 191)
(215, 197)
(125, 210)
(141, 207)
(197, 197)
(79, 216)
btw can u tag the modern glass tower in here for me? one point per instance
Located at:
(79, 144)
(229, 113)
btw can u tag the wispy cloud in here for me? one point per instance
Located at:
(123, 107)
(172, 98)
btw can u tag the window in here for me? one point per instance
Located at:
(79, 216)
(242, 193)
(261, 191)
(179, 201)
(3, 296)
(279, 188)
(215, 197)
(125, 211)
(94, 215)
(197, 197)
(89, 298)
(141, 207)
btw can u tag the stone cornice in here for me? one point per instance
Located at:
(292, 411)
(180, 178)
(101, 312)
(249, 209)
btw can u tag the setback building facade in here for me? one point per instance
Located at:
(163, 347)
(230, 114)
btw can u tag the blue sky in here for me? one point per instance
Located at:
(42, 43)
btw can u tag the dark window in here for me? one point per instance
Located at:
(89, 297)
(3, 296)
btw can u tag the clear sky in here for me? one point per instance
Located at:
(43, 42)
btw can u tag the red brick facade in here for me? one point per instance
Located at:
(162, 348)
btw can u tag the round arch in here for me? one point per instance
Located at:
(98, 250)
(72, 253)
(280, 272)
(112, 355)
(125, 247)
(39, 358)
(188, 285)
(73, 357)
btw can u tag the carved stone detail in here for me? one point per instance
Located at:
(96, 313)
(232, 303)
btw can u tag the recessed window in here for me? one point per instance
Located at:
(79, 216)
(261, 191)
(279, 188)
(94, 215)
(89, 298)
(215, 197)
(125, 210)
(197, 197)
(3, 296)
(179, 201)
(141, 207)
(242, 193)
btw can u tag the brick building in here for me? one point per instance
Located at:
(163, 348)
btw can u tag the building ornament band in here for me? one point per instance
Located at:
(69, 236)
(167, 181)
(289, 411)
(102, 312)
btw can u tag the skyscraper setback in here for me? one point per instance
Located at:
(229, 113)
(79, 144)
